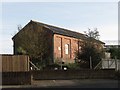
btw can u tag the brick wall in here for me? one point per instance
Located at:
(16, 78)
(73, 74)
(59, 48)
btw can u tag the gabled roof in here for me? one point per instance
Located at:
(66, 32)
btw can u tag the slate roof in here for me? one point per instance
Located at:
(66, 32)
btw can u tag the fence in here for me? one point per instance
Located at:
(111, 64)
(14, 63)
(14, 69)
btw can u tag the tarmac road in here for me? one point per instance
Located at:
(83, 83)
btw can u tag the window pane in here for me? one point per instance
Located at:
(66, 48)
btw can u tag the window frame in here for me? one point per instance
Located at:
(67, 48)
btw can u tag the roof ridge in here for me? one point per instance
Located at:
(58, 27)
(66, 32)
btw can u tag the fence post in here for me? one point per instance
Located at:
(90, 63)
(102, 64)
(116, 66)
(108, 63)
(61, 65)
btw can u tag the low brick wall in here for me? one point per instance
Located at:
(73, 74)
(118, 75)
(24, 78)
(16, 78)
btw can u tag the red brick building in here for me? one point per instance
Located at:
(64, 43)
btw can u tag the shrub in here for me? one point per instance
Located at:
(73, 66)
(89, 50)
(51, 67)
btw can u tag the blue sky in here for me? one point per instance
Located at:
(76, 16)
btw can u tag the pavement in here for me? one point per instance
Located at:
(83, 83)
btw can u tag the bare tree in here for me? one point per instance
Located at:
(92, 34)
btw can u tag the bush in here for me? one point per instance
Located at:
(56, 67)
(52, 66)
(89, 50)
(73, 66)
